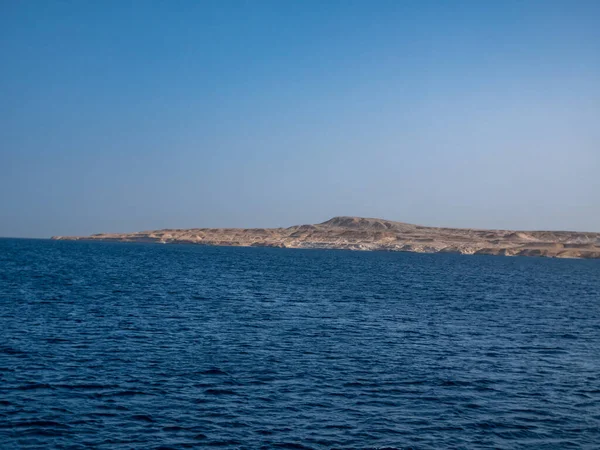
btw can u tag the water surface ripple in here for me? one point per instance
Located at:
(146, 346)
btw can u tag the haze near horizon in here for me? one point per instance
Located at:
(121, 117)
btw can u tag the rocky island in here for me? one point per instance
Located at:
(357, 233)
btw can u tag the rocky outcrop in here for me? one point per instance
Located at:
(357, 233)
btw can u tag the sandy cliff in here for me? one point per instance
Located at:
(356, 233)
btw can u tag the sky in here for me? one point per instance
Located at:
(120, 116)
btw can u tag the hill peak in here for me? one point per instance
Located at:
(365, 223)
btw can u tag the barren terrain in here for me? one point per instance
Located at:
(356, 233)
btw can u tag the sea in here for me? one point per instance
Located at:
(148, 346)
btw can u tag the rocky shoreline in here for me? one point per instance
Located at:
(357, 233)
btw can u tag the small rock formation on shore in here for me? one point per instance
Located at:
(357, 233)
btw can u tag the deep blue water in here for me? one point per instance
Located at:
(173, 346)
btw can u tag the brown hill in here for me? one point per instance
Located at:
(358, 233)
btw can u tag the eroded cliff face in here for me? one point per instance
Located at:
(357, 233)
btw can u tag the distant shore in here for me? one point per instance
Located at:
(356, 233)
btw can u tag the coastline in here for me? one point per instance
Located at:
(365, 234)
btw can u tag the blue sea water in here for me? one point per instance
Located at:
(107, 345)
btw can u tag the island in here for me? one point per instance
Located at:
(358, 233)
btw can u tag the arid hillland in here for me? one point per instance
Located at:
(356, 233)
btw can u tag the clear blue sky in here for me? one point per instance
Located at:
(135, 115)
